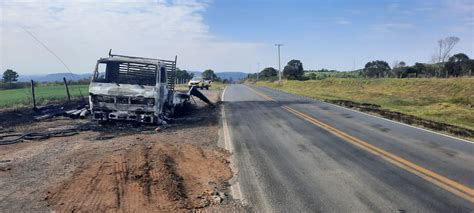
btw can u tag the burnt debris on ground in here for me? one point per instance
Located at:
(77, 109)
(189, 116)
(14, 117)
(80, 109)
(119, 166)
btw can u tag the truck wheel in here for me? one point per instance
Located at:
(207, 87)
(172, 112)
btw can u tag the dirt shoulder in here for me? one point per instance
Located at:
(118, 168)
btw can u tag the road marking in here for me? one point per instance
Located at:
(236, 192)
(397, 122)
(452, 186)
(223, 93)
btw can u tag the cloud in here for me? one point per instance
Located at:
(423, 9)
(393, 7)
(469, 21)
(342, 21)
(460, 6)
(462, 13)
(389, 27)
(81, 32)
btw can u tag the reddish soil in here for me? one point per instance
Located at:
(146, 177)
(119, 169)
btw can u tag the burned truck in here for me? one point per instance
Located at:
(138, 89)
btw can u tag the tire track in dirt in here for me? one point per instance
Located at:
(135, 170)
(146, 177)
(118, 179)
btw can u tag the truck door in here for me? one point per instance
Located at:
(161, 95)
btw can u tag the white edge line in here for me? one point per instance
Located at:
(234, 187)
(397, 122)
(223, 92)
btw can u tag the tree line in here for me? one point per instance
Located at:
(443, 65)
(183, 75)
(456, 66)
(292, 71)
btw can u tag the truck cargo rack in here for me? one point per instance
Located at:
(170, 67)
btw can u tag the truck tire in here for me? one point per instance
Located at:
(207, 87)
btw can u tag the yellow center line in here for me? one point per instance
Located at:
(452, 186)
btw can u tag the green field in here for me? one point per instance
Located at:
(449, 100)
(54, 92)
(44, 94)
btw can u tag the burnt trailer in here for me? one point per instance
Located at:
(134, 89)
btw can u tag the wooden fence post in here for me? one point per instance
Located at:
(33, 94)
(67, 90)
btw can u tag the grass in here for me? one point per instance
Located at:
(44, 94)
(54, 92)
(449, 101)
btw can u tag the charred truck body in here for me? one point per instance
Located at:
(134, 89)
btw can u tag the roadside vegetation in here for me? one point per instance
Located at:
(441, 91)
(448, 101)
(217, 83)
(443, 65)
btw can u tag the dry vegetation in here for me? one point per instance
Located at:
(448, 101)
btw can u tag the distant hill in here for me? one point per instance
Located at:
(53, 77)
(71, 76)
(232, 75)
(196, 73)
(224, 75)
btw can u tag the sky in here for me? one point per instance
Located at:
(229, 35)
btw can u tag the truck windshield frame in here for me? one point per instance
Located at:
(123, 72)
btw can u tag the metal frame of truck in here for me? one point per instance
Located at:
(134, 89)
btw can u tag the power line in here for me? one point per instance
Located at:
(54, 54)
(46, 47)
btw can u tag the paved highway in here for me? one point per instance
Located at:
(294, 154)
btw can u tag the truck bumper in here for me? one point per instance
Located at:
(101, 115)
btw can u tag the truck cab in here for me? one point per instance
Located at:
(132, 89)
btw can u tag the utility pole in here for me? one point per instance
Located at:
(279, 63)
(258, 70)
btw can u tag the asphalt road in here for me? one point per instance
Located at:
(299, 155)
